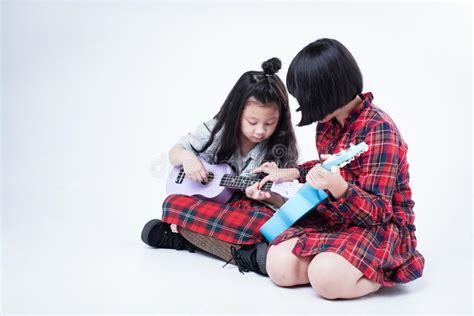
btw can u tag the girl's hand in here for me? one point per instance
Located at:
(323, 157)
(254, 192)
(275, 174)
(194, 169)
(320, 178)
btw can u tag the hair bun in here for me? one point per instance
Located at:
(271, 66)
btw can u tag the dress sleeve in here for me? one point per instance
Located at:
(304, 168)
(370, 201)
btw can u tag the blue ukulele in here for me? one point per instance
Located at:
(307, 197)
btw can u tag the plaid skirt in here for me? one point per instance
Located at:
(385, 254)
(238, 221)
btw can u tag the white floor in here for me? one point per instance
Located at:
(68, 265)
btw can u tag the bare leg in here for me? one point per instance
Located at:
(332, 277)
(284, 268)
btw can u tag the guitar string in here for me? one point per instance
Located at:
(231, 181)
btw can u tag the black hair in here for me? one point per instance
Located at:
(323, 77)
(266, 87)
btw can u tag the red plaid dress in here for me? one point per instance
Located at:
(372, 225)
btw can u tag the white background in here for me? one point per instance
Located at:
(95, 93)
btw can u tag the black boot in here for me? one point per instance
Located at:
(158, 234)
(251, 258)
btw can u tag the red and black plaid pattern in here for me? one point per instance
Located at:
(372, 225)
(237, 222)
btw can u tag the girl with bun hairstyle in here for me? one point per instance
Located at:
(253, 126)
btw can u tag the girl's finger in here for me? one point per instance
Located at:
(319, 170)
(263, 181)
(324, 156)
(271, 178)
(248, 191)
(260, 195)
(203, 174)
(257, 170)
(314, 177)
(253, 187)
(198, 177)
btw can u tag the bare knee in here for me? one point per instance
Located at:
(280, 268)
(331, 275)
(284, 268)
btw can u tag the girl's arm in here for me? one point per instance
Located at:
(370, 201)
(177, 155)
(193, 168)
(188, 145)
(284, 174)
(275, 200)
(184, 152)
(276, 174)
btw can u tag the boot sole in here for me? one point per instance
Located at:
(147, 229)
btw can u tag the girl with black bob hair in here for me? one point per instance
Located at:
(363, 236)
(252, 126)
(323, 77)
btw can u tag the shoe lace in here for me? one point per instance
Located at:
(242, 260)
(176, 241)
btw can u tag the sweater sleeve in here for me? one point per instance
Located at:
(196, 140)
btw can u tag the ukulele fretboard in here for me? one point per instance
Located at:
(241, 182)
(229, 181)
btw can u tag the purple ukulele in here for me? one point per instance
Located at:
(222, 184)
